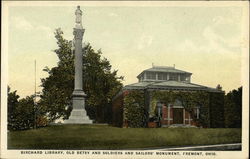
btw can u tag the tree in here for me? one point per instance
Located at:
(21, 112)
(12, 105)
(25, 113)
(99, 83)
(233, 108)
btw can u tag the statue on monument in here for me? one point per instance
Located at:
(78, 21)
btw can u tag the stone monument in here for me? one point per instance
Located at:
(78, 114)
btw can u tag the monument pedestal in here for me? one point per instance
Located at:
(78, 114)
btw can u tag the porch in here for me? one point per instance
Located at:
(174, 116)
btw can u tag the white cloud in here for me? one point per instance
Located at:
(219, 20)
(23, 24)
(189, 45)
(217, 42)
(48, 31)
(223, 23)
(221, 35)
(144, 41)
(213, 40)
(113, 14)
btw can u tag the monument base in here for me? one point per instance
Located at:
(78, 114)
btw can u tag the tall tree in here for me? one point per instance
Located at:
(233, 108)
(100, 83)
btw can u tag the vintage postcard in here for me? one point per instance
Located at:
(127, 79)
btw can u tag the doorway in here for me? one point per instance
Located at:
(178, 115)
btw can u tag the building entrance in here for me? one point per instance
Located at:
(178, 115)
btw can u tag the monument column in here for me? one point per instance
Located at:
(78, 114)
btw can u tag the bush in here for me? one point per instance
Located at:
(24, 116)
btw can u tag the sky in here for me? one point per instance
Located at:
(204, 40)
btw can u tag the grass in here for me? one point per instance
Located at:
(107, 137)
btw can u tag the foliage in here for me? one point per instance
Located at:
(99, 83)
(134, 109)
(25, 115)
(21, 113)
(189, 100)
(233, 108)
(105, 137)
(12, 105)
(216, 110)
(58, 86)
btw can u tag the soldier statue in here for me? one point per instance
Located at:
(78, 14)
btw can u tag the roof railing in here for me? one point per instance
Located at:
(164, 67)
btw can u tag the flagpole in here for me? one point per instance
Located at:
(35, 100)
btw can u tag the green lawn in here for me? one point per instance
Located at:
(107, 137)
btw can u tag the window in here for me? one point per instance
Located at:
(197, 112)
(184, 78)
(151, 75)
(159, 109)
(173, 77)
(162, 76)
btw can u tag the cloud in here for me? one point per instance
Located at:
(113, 14)
(217, 42)
(220, 37)
(23, 24)
(144, 41)
(48, 31)
(219, 20)
(226, 29)
(214, 40)
(189, 45)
